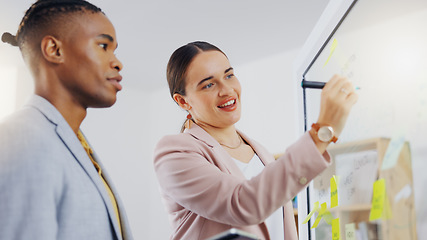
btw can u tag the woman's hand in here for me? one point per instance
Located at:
(337, 98)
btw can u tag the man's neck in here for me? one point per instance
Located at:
(71, 111)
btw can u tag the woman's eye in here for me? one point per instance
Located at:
(208, 85)
(229, 76)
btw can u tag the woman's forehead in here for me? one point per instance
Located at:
(209, 62)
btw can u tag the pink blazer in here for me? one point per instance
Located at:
(205, 192)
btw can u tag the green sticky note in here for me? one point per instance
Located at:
(393, 152)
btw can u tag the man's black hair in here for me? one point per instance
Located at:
(42, 14)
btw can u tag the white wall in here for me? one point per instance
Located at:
(269, 101)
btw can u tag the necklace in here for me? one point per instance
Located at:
(240, 143)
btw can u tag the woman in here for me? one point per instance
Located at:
(213, 177)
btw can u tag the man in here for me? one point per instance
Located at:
(51, 183)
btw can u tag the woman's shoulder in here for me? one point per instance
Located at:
(175, 139)
(182, 141)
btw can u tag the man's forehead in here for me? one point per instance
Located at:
(95, 25)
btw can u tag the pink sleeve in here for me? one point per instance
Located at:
(187, 173)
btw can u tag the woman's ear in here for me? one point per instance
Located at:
(182, 102)
(51, 49)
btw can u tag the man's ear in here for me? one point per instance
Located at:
(181, 101)
(51, 49)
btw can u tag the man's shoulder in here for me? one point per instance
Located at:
(25, 120)
(27, 132)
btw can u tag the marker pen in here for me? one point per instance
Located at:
(317, 85)
(311, 84)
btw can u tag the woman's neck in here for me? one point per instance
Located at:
(225, 136)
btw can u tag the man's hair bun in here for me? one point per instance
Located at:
(9, 38)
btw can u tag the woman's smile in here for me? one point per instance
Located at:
(228, 104)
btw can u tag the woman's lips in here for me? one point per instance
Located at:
(228, 105)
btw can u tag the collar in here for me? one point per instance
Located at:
(45, 107)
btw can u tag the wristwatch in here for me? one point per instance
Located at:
(324, 133)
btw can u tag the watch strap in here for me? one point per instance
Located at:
(316, 127)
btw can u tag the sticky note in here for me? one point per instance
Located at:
(350, 231)
(381, 207)
(333, 46)
(378, 200)
(393, 151)
(315, 209)
(323, 213)
(336, 229)
(316, 222)
(334, 191)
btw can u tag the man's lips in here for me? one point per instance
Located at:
(116, 82)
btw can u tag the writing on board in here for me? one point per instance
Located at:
(358, 170)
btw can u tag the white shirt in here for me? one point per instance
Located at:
(275, 221)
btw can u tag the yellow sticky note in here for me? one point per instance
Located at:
(333, 46)
(316, 222)
(336, 229)
(315, 209)
(350, 231)
(323, 213)
(334, 192)
(377, 200)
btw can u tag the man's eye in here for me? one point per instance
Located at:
(103, 45)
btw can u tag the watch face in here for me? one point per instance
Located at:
(325, 134)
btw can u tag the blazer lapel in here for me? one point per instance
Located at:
(262, 153)
(200, 134)
(71, 141)
(126, 232)
(81, 156)
(225, 159)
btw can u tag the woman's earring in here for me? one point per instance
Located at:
(188, 121)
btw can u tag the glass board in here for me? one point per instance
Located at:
(380, 161)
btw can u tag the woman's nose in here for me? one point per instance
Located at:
(226, 89)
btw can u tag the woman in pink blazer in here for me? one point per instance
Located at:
(213, 177)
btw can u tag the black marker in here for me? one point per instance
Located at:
(311, 84)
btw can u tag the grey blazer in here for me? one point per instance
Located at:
(49, 188)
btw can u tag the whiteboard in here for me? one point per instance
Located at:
(381, 46)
